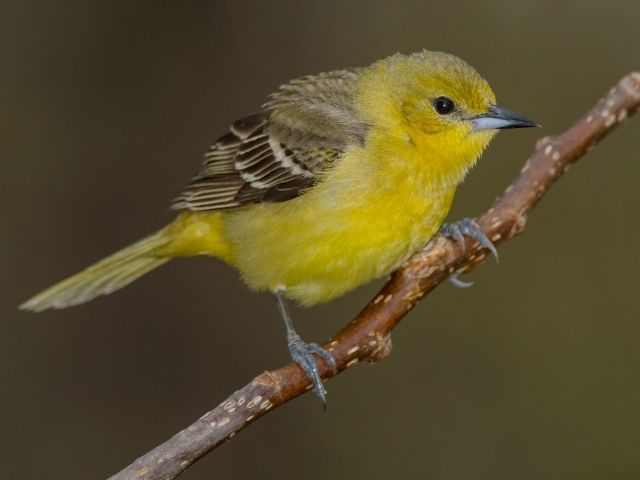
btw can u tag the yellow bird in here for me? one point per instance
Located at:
(335, 181)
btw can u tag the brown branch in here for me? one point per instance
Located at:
(367, 336)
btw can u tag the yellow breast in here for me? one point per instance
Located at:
(363, 218)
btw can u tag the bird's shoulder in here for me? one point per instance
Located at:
(276, 154)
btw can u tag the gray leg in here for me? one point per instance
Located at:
(302, 353)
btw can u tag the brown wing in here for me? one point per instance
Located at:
(275, 155)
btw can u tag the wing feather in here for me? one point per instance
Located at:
(276, 154)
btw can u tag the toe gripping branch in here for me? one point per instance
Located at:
(302, 354)
(457, 231)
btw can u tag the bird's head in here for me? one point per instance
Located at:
(437, 101)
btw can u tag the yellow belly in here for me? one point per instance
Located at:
(337, 236)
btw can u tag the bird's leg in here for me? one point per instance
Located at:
(302, 353)
(471, 229)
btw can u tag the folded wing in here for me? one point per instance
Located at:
(277, 154)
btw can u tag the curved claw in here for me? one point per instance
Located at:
(470, 228)
(455, 280)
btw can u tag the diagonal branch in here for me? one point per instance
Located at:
(366, 338)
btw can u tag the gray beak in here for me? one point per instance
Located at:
(498, 117)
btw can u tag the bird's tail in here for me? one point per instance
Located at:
(189, 234)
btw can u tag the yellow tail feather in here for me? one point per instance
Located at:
(104, 277)
(189, 234)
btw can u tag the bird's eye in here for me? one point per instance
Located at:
(443, 105)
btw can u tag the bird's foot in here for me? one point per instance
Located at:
(302, 354)
(471, 229)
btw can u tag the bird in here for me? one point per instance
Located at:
(335, 181)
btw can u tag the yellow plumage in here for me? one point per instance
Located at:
(364, 219)
(355, 170)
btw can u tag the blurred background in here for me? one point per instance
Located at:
(106, 109)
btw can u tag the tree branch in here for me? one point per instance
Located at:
(366, 338)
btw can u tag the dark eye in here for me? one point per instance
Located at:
(443, 105)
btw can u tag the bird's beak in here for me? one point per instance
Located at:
(498, 117)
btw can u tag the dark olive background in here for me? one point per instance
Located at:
(105, 111)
